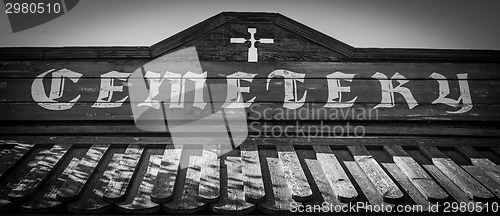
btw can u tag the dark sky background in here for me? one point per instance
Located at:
(449, 24)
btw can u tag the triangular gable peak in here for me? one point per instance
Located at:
(255, 37)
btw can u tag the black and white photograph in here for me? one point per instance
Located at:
(239, 107)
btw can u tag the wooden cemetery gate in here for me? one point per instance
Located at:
(271, 117)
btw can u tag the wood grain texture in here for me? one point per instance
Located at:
(454, 190)
(12, 179)
(93, 69)
(253, 183)
(369, 190)
(94, 201)
(416, 175)
(82, 172)
(209, 189)
(13, 156)
(335, 174)
(187, 202)
(367, 90)
(279, 202)
(483, 178)
(45, 199)
(141, 202)
(486, 165)
(165, 181)
(294, 174)
(408, 186)
(328, 194)
(265, 111)
(118, 185)
(377, 176)
(233, 196)
(39, 174)
(456, 174)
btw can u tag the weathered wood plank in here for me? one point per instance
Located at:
(253, 185)
(281, 199)
(209, 189)
(411, 141)
(456, 174)
(141, 203)
(375, 128)
(458, 194)
(13, 157)
(422, 181)
(407, 185)
(321, 180)
(486, 165)
(45, 199)
(369, 190)
(118, 185)
(165, 180)
(363, 70)
(337, 178)
(187, 202)
(37, 176)
(79, 176)
(266, 111)
(365, 90)
(483, 178)
(12, 179)
(94, 201)
(382, 182)
(294, 175)
(233, 200)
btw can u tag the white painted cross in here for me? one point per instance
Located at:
(252, 51)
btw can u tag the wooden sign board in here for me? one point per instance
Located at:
(283, 70)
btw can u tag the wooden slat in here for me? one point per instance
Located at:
(337, 178)
(407, 185)
(13, 156)
(294, 175)
(263, 111)
(369, 190)
(375, 128)
(187, 202)
(254, 185)
(33, 180)
(458, 194)
(382, 182)
(456, 174)
(209, 190)
(486, 165)
(417, 176)
(165, 180)
(141, 203)
(233, 201)
(79, 176)
(48, 140)
(328, 194)
(281, 200)
(25, 166)
(45, 199)
(118, 185)
(94, 202)
(483, 178)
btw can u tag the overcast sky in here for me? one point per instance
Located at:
(450, 24)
